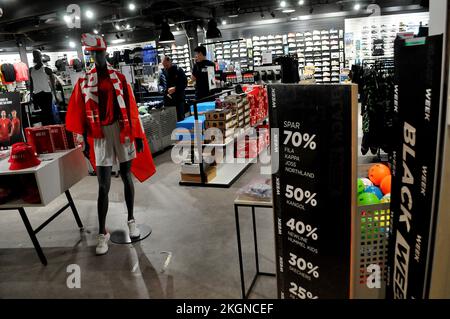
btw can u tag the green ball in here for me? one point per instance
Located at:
(361, 186)
(366, 199)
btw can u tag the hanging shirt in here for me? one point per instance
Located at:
(9, 74)
(5, 128)
(107, 102)
(21, 70)
(40, 80)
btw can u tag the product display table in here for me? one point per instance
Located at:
(248, 201)
(54, 176)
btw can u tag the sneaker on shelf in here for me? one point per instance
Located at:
(102, 244)
(134, 231)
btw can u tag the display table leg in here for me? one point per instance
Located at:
(32, 235)
(74, 209)
(238, 235)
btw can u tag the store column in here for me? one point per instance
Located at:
(22, 50)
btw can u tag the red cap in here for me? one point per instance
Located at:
(22, 156)
(93, 42)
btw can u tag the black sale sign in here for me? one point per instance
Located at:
(313, 138)
(417, 105)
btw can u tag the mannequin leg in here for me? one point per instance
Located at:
(128, 185)
(104, 183)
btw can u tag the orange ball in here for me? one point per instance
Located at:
(386, 185)
(377, 172)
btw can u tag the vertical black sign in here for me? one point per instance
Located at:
(313, 188)
(10, 119)
(417, 105)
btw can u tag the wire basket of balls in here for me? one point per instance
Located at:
(372, 226)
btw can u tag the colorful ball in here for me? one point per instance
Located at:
(386, 184)
(386, 199)
(367, 199)
(377, 172)
(366, 182)
(374, 190)
(361, 186)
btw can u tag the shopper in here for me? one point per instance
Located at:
(42, 87)
(173, 84)
(107, 113)
(200, 73)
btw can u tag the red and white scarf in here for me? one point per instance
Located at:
(89, 89)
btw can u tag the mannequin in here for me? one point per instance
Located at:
(102, 108)
(42, 87)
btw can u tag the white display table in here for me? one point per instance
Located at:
(54, 176)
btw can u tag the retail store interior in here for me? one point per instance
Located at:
(191, 215)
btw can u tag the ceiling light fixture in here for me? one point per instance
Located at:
(166, 35)
(66, 18)
(224, 22)
(357, 6)
(89, 14)
(301, 2)
(95, 31)
(132, 6)
(116, 41)
(282, 4)
(213, 32)
(128, 26)
(288, 10)
(117, 27)
(233, 16)
(72, 44)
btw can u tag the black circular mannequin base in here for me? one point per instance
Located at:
(122, 237)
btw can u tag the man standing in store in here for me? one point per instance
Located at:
(173, 84)
(5, 129)
(200, 73)
(16, 130)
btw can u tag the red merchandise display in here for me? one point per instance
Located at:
(257, 97)
(22, 156)
(40, 139)
(62, 139)
(247, 148)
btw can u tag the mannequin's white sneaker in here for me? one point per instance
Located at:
(102, 245)
(133, 230)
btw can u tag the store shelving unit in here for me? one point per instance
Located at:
(322, 49)
(234, 51)
(179, 55)
(272, 43)
(226, 173)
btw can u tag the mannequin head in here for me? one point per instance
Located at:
(37, 57)
(99, 58)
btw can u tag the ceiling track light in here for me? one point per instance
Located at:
(357, 6)
(301, 2)
(166, 35)
(213, 32)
